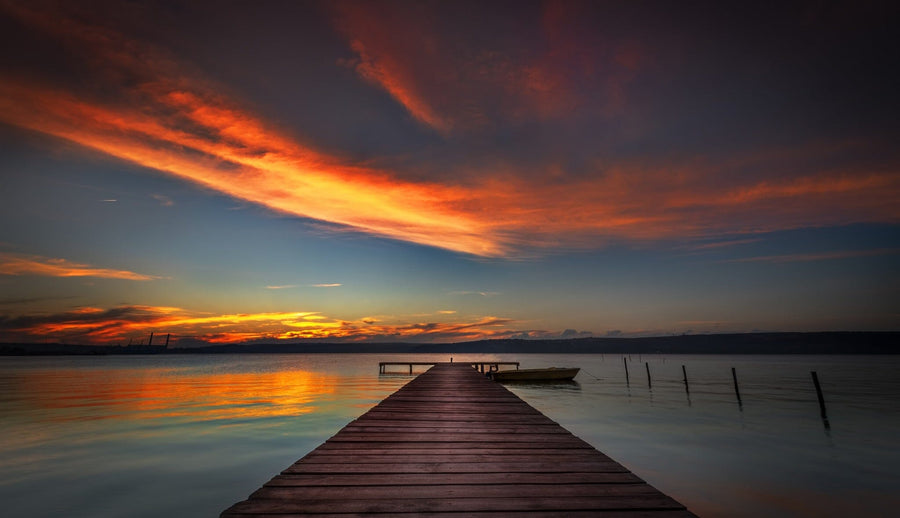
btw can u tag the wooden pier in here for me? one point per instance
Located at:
(453, 443)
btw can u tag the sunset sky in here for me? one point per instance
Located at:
(446, 171)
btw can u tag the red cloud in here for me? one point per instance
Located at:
(543, 71)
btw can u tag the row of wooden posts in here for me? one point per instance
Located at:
(737, 390)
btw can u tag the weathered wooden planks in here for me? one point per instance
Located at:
(452, 441)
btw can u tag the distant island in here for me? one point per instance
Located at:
(739, 343)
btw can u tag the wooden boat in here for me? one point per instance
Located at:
(548, 374)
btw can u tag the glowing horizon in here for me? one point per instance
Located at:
(116, 325)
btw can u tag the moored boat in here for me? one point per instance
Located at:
(547, 374)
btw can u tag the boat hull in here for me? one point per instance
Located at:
(549, 374)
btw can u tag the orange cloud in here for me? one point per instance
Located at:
(117, 325)
(244, 161)
(689, 201)
(180, 126)
(18, 264)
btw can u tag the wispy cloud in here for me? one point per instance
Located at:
(290, 286)
(447, 312)
(20, 264)
(716, 245)
(479, 293)
(163, 200)
(818, 256)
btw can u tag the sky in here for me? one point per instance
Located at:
(446, 171)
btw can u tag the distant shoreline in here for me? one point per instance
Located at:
(850, 342)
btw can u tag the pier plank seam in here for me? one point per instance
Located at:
(451, 441)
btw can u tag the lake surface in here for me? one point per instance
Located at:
(119, 436)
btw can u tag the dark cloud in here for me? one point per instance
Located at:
(25, 322)
(31, 300)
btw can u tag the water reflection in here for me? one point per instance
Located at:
(112, 436)
(157, 393)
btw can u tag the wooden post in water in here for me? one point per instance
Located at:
(167, 339)
(625, 361)
(737, 391)
(821, 399)
(150, 342)
(649, 384)
(686, 387)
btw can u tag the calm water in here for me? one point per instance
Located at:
(190, 435)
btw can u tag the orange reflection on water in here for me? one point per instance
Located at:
(163, 393)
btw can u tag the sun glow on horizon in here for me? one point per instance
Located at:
(92, 325)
